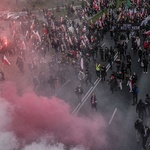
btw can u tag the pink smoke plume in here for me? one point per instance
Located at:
(33, 117)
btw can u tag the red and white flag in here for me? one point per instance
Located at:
(36, 35)
(5, 61)
(63, 28)
(32, 25)
(27, 33)
(23, 45)
(70, 41)
(81, 63)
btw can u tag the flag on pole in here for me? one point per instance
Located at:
(23, 45)
(32, 25)
(5, 61)
(81, 63)
(128, 3)
(147, 33)
(36, 35)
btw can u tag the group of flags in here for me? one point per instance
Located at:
(128, 2)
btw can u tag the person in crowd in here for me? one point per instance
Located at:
(94, 101)
(140, 54)
(139, 127)
(135, 92)
(79, 92)
(98, 69)
(129, 83)
(103, 73)
(113, 82)
(145, 63)
(81, 77)
(134, 78)
(20, 64)
(147, 104)
(140, 109)
(88, 77)
(2, 75)
(119, 79)
(145, 136)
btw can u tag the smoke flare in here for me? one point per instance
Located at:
(30, 118)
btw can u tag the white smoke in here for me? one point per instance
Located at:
(43, 145)
(8, 141)
(5, 114)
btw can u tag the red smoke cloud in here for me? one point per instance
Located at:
(33, 117)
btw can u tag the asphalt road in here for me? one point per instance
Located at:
(117, 108)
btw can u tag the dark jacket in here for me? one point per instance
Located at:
(93, 99)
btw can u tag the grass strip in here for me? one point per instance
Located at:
(97, 16)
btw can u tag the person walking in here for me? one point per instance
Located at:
(79, 92)
(113, 82)
(81, 77)
(103, 73)
(140, 108)
(139, 128)
(94, 101)
(147, 103)
(140, 54)
(135, 92)
(145, 136)
(129, 83)
(88, 77)
(97, 68)
(119, 79)
(20, 64)
(134, 78)
(145, 63)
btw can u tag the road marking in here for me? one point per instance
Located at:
(112, 116)
(127, 41)
(62, 86)
(84, 100)
(108, 66)
(103, 44)
(86, 96)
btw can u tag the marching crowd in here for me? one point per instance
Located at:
(76, 46)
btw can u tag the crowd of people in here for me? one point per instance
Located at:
(63, 45)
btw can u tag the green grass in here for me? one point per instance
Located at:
(119, 3)
(97, 16)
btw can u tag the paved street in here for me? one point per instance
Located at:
(116, 108)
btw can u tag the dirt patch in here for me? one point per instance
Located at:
(18, 5)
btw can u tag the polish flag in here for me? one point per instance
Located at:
(27, 33)
(81, 63)
(70, 41)
(23, 45)
(75, 39)
(36, 35)
(63, 28)
(32, 25)
(5, 61)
